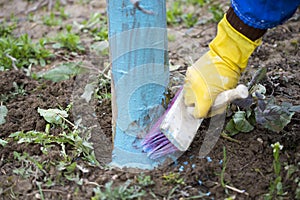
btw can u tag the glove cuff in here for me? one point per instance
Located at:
(233, 47)
(248, 31)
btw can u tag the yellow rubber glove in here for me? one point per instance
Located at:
(217, 70)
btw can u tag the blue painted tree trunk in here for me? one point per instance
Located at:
(140, 74)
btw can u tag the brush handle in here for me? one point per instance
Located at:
(240, 92)
(179, 124)
(224, 98)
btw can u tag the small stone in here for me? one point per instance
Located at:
(114, 177)
(260, 140)
(37, 196)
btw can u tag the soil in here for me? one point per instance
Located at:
(249, 158)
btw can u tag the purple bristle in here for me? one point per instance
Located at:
(149, 146)
(155, 143)
(167, 149)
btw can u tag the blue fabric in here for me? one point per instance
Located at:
(264, 14)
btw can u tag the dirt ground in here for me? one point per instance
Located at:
(250, 159)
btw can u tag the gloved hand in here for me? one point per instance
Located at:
(217, 70)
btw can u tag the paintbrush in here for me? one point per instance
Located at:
(176, 129)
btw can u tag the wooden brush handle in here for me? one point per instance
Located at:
(240, 92)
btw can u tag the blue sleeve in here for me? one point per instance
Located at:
(264, 14)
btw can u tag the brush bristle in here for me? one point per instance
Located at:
(155, 143)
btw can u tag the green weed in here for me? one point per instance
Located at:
(22, 52)
(29, 165)
(276, 187)
(66, 165)
(173, 178)
(144, 181)
(51, 20)
(6, 29)
(96, 26)
(3, 143)
(104, 88)
(69, 41)
(190, 20)
(174, 13)
(18, 90)
(101, 34)
(58, 7)
(217, 12)
(122, 192)
(224, 165)
(292, 172)
(81, 147)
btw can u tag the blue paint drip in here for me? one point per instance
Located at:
(208, 159)
(220, 162)
(181, 168)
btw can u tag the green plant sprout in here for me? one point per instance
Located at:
(96, 26)
(177, 14)
(69, 41)
(123, 192)
(217, 12)
(54, 19)
(3, 143)
(144, 180)
(174, 13)
(224, 165)
(18, 90)
(6, 29)
(292, 172)
(189, 20)
(276, 187)
(22, 52)
(28, 165)
(104, 87)
(51, 20)
(173, 178)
